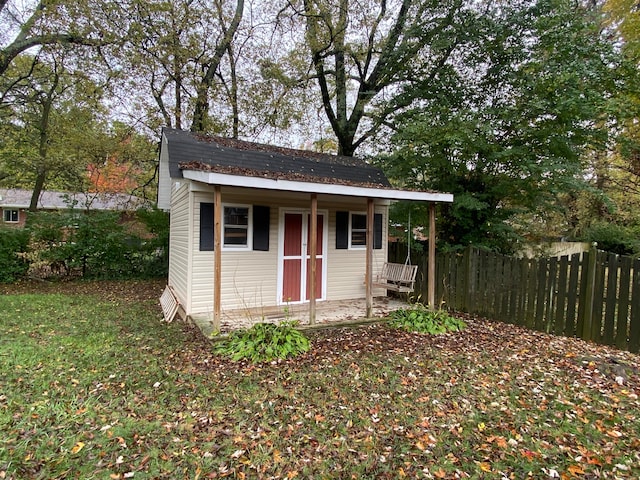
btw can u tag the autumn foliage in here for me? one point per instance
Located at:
(94, 385)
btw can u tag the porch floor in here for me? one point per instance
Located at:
(328, 313)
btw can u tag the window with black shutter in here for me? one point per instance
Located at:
(351, 230)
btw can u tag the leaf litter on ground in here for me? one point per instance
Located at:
(94, 384)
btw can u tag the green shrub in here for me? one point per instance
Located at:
(264, 342)
(97, 244)
(13, 244)
(155, 249)
(421, 319)
(613, 238)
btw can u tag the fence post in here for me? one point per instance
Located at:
(469, 284)
(589, 293)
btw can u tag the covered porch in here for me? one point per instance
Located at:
(327, 313)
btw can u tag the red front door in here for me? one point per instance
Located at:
(296, 257)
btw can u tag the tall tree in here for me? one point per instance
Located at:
(49, 117)
(507, 127)
(211, 64)
(364, 51)
(47, 22)
(181, 50)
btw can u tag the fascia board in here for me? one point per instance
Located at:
(213, 178)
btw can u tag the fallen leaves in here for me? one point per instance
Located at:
(138, 398)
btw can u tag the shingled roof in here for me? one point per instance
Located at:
(198, 152)
(51, 200)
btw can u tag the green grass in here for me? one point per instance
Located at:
(91, 388)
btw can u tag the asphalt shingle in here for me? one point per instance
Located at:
(194, 151)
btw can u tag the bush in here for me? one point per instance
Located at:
(156, 248)
(264, 342)
(13, 244)
(613, 238)
(422, 320)
(98, 244)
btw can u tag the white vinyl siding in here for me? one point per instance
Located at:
(250, 278)
(165, 193)
(347, 268)
(179, 244)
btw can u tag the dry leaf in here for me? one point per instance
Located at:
(78, 446)
(575, 470)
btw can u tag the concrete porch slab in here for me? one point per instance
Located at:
(328, 313)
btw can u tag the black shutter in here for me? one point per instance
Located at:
(377, 231)
(261, 228)
(342, 230)
(206, 227)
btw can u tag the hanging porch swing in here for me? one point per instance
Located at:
(398, 277)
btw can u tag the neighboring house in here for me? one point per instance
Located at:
(242, 224)
(14, 203)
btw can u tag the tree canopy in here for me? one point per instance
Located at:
(512, 125)
(526, 110)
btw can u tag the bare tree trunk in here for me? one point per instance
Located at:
(43, 146)
(201, 109)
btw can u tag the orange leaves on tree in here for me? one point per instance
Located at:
(113, 176)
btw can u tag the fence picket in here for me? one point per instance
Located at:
(622, 321)
(561, 316)
(634, 324)
(608, 333)
(595, 295)
(540, 294)
(572, 296)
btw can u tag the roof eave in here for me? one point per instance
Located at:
(213, 178)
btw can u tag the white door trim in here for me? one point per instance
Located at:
(305, 212)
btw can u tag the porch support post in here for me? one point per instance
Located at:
(369, 260)
(217, 250)
(431, 274)
(313, 246)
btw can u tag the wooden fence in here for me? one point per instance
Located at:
(594, 295)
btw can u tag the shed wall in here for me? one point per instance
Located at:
(250, 278)
(179, 244)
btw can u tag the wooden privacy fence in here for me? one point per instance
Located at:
(594, 295)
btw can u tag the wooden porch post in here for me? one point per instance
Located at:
(431, 274)
(217, 249)
(369, 260)
(313, 245)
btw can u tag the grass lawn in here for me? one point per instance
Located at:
(93, 385)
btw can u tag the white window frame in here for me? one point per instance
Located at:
(249, 244)
(351, 230)
(10, 212)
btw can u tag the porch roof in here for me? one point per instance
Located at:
(227, 179)
(232, 162)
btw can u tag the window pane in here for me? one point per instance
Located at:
(236, 216)
(235, 236)
(11, 215)
(358, 222)
(358, 238)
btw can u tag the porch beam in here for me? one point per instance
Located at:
(217, 255)
(431, 273)
(313, 246)
(369, 259)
